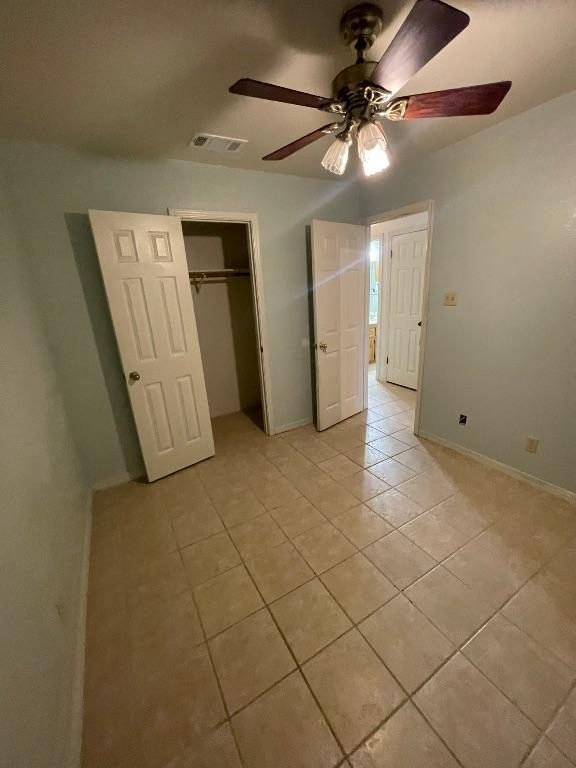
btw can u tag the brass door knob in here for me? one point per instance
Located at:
(134, 376)
(323, 346)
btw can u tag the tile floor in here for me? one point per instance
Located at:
(353, 598)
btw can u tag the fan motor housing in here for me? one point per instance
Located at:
(359, 27)
(351, 79)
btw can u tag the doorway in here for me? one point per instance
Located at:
(226, 292)
(398, 254)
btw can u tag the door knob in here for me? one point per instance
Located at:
(323, 346)
(134, 376)
(420, 323)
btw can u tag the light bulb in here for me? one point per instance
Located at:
(372, 148)
(336, 156)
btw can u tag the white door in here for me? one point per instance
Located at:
(408, 258)
(340, 322)
(145, 273)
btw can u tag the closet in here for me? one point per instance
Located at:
(185, 298)
(221, 284)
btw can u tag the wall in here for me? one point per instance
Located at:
(504, 238)
(224, 317)
(43, 525)
(52, 189)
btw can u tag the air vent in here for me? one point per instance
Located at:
(206, 141)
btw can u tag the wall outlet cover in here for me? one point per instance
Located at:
(450, 299)
(532, 444)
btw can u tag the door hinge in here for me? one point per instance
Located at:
(386, 360)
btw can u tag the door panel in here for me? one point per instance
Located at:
(145, 274)
(408, 259)
(339, 291)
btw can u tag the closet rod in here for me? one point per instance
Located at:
(207, 273)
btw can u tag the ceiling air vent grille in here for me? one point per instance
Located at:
(207, 141)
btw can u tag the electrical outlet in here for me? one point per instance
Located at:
(532, 444)
(450, 299)
(463, 419)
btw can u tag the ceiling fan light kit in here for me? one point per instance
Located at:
(336, 157)
(363, 93)
(372, 148)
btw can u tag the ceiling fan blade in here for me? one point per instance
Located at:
(302, 142)
(430, 25)
(259, 90)
(473, 100)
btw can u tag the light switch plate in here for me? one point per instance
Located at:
(450, 299)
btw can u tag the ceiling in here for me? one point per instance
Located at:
(140, 77)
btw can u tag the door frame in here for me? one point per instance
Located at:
(257, 282)
(426, 206)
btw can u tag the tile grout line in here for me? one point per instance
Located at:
(500, 608)
(525, 631)
(212, 665)
(543, 732)
(295, 660)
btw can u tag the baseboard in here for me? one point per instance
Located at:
(78, 692)
(505, 468)
(292, 425)
(110, 482)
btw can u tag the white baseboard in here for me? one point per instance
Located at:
(505, 468)
(292, 425)
(110, 482)
(78, 692)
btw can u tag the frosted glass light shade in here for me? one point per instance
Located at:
(372, 149)
(336, 157)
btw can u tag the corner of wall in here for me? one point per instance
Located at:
(75, 750)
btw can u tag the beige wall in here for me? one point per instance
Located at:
(225, 317)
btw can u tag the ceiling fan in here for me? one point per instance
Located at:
(363, 93)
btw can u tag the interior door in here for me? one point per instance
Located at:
(408, 259)
(340, 319)
(145, 273)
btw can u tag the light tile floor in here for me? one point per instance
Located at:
(356, 597)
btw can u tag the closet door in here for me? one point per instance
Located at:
(145, 274)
